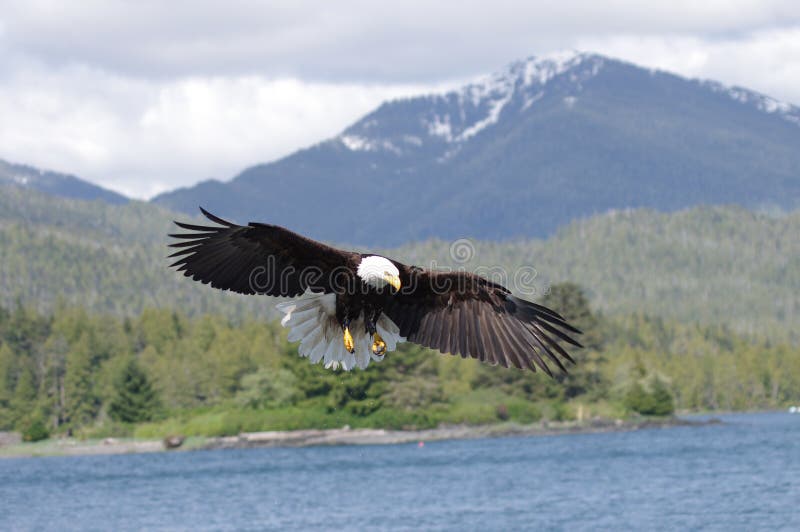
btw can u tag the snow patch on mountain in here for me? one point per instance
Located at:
(356, 143)
(440, 127)
(761, 102)
(495, 108)
(458, 116)
(491, 95)
(359, 143)
(540, 70)
(532, 99)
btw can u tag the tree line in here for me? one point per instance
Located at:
(162, 372)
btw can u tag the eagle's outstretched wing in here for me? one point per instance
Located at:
(462, 313)
(454, 312)
(256, 259)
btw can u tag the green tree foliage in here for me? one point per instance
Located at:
(586, 375)
(135, 399)
(268, 388)
(209, 375)
(654, 402)
(80, 400)
(663, 403)
(6, 384)
(34, 428)
(25, 394)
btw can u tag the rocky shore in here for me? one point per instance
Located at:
(342, 436)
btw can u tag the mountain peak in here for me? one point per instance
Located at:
(535, 70)
(526, 80)
(461, 114)
(525, 150)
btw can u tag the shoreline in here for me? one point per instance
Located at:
(347, 436)
(341, 436)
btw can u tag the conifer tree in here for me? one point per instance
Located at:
(135, 399)
(586, 376)
(81, 403)
(25, 392)
(6, 385)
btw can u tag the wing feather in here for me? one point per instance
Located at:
(515, 351)
(255, 259)
(467, 315)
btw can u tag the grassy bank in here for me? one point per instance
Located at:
(482, 407)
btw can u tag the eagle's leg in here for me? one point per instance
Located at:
(378, 345)
(349, 344)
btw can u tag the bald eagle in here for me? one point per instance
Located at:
(350, 308)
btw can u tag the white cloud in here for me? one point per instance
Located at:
(408, 40)
(142, 138)
(146, 96)
(767, 61)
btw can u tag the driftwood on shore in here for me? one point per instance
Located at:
(173, 442)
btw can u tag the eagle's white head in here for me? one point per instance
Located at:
(379, 272)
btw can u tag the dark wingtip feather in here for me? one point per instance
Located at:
(194, 236)
(570, 328)
(545, 310)
(561, 334)
(192, 227)
(216, 219)
(543, 365)
(185, 244)
(182, 252)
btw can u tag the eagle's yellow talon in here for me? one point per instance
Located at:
(378, 345)
(348, 341)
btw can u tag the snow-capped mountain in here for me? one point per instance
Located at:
(452, 119)
(523, 151)
(55, 184)
(457, 116)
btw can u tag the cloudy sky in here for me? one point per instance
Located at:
(142, 96)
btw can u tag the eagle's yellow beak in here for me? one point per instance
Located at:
(392, 280)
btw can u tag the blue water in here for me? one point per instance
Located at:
(741, 475)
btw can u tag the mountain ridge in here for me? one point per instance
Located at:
(566, 136)
(55, 183)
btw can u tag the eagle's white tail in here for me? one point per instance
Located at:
(311, 319)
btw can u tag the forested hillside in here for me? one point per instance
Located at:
(109, 259)
(689, 310)
(714, 265)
